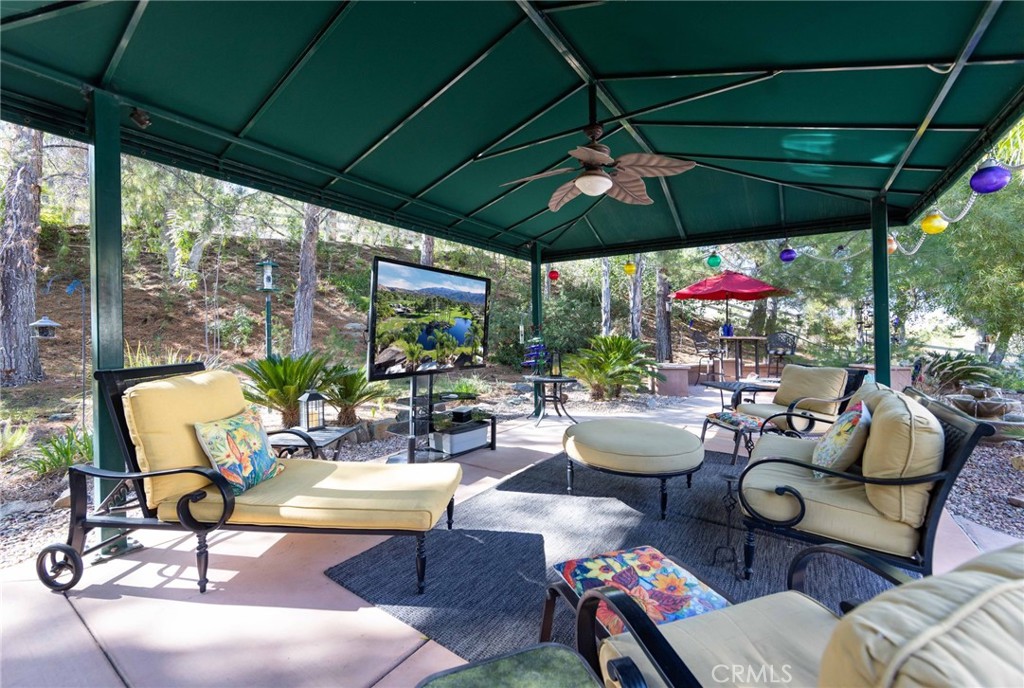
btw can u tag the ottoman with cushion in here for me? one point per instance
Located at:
(633, 448)
(741, 425)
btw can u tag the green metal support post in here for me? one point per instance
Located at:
(880, 283)
(267, 328)
(105, 279)
(536, 305)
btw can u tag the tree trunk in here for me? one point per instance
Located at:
(19, 351)
(999, 352)
(606, 296)
(427, 250)
(758, 318)
(772, 322)
(546, 281)
(636, 298)
(662, 319)
(305, 291)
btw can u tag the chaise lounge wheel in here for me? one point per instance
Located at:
(59, 567)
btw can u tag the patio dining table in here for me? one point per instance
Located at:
(737, 347)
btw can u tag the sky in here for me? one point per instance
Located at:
(411, 277)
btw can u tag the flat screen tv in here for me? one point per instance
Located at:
(425, 320)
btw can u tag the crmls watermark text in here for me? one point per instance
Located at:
(750, 674)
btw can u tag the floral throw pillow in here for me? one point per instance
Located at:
(842, 445)
(239, 448)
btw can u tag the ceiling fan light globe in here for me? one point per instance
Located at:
(593, 182)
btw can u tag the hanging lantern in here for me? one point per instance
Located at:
(934, 223)
(629, 268)
(714, 260)
(891, 245)
(553, 275)
(788, 254)
(311, 410)
(990, 177)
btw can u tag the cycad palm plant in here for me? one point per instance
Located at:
(346, 388)
(277, 382)
(611, 363)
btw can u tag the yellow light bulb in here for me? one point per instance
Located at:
(629, 268)
(933, 223)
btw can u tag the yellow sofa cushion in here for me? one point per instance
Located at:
(800, 381)
(633, 446)
(775, 640)
(836, 508)
(906, 440)
(326, 494)
(962, 628)
(868, 393)
(161, 417)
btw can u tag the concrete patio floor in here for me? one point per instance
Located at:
(270, 616)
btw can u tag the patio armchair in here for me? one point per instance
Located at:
(960, 628)
(806, 397)
(169, 478)
(888, 502)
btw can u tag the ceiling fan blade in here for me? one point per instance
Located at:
(629, 188)
(591, 156)
(651, 165)
(563, 194)
(549, 173)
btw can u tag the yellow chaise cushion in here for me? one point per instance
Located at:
(327, 494)
(161, 417)
(962, 628)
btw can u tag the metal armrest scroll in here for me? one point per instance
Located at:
(626, 673)
(798, 434)
(184, 513)
(667, 663)
(797, 577)
(786, 489)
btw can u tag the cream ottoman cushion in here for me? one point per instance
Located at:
(633, 446)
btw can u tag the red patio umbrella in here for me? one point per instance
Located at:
(729, 285)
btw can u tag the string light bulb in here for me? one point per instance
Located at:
(714, 260)
(553, 275)
(629, 268)
(891, 245)
(788, 254)
(934, 223)
(991, 176)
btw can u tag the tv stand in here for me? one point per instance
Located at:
(419, 426)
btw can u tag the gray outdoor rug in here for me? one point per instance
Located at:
(486, 578)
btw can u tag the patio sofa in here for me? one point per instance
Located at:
(888, 502)
(170, 480)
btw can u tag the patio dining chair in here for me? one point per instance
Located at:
(780, 346)
(706, 352)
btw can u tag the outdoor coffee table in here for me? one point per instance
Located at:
(738, 387)
(634, 448)
(324, 438)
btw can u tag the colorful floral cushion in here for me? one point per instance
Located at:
(735, 419)
(239, 448)
(666, 591)
(842, 445)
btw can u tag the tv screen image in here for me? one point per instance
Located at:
(425, 320)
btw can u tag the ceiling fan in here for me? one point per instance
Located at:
(600, 173)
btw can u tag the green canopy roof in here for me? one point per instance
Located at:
(796, 113)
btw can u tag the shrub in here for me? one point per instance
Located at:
(464, 385)
(57, 452)
(142, 357)
(610, 364)
(277, 382)
(945, 373)
(237, 328)
(347, 388)
(12, 437)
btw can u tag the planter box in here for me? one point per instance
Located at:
(460, 438)
(676, 382)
